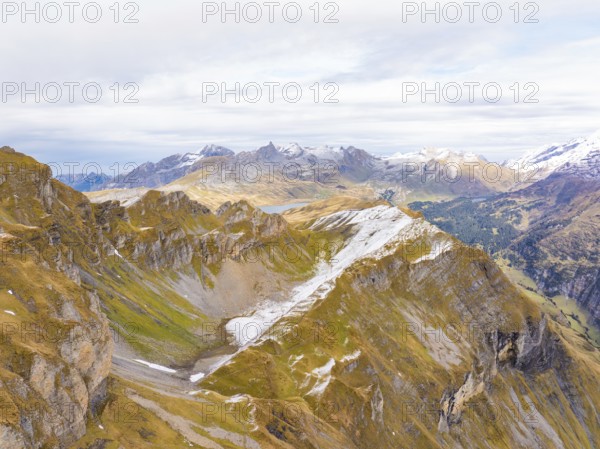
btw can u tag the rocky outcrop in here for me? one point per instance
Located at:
(50, 394)
(531, 351)
(56, 345)
(263, 224)
(453, 403)
(167, 204)
(108, 213)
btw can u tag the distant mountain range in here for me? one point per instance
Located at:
(429, 173)
(540, 211)
(85, 183)
(579, 156)
(548, 226)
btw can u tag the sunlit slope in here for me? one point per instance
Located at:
(55, 342)
(549, 230)
(375, 329)
(161, 270)
(419, 341)
(411, 350)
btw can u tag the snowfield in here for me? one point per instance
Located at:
(378, 231)
(351, 357)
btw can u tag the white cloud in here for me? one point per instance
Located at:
(369, 54)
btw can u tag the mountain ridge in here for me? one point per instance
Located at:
(361, 166)
(372, 358)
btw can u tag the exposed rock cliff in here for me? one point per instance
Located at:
(56, 343)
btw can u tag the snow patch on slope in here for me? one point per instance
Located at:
(351, 357)
(439, 247)
(323, 376)
(375, 227)
(156, 367)
(376, 234)
(197, 377)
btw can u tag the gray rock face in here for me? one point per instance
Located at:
(165, 171)
(56, 346)
(532, 350)
(580, 282)
(47, 402)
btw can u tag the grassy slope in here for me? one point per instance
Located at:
(370, 311)
(361, 404)
(403, 369)
(547, 230)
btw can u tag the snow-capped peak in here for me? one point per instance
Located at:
(212, 150)
(189, 159)
(215, 150)
(582, 153)
(326, 152)
(294, 151)
(432, 153)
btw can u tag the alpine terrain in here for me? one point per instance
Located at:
(292, 297)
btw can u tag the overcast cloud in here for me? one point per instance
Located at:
(370, 54)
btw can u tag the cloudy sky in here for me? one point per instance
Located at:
(355, 77)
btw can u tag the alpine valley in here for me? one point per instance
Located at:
(293, 297)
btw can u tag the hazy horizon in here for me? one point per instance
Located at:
(366, 60)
